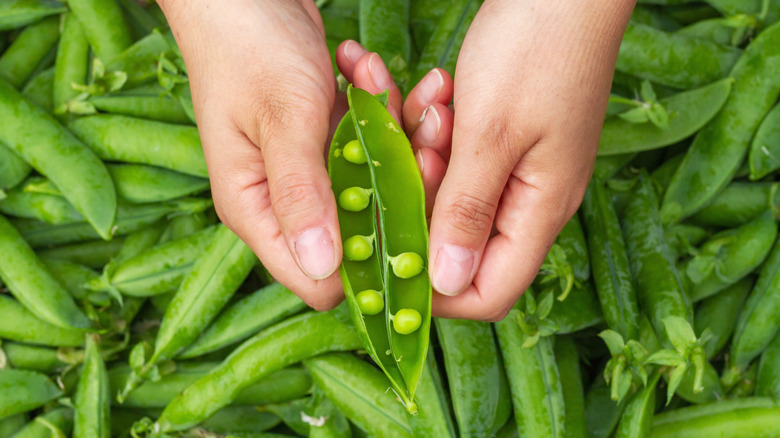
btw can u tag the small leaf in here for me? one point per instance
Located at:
(614, 341)
(530, 341)
(545, 304)
(658, 116)
(637, 115)
(675, 377)
(138, 355)
(700, 268)
(665, 357)
(680, 333)
(647, 92)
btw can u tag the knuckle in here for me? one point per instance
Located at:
(470, 214)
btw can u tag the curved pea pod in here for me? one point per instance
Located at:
(93, 396)
(759, 320)
(13, 170)
(52, 209)
(578, 311)
(54, 152)
(748, 417)
(246, 317)
(718, 149)
(139, 61)
(72, 63)
(637, 418)
(434, 418)
(139, 183)
(277, 347)
(609, 259)
(384, 28)
(671, 59)
(737, 204)
(52, 424)
(104, 25)
(602, 414)
(134, 140)
(19, 13)
(688, 112)
(93, 254)
(26, 277)
(152, 107)
(768, 382)
(730, 255)
(475, 375)
(765, 147)
(21, 58)
(19, 324)
(31, 357)
(534, 380)
(719, 314)
(568, 363)
(10, 425)
(24, 391)
(359, 391)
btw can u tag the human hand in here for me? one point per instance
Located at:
(531, 89)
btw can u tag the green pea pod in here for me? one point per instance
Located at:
(727, 420)
(52, 209)
(759, 320)
(277, 347)
(13, 170)
(568, 363)
(719, 314)
(104, 25)
(737, 204)
(721, 30)
(134, 140)
(572, 240)
(711, 388)
(93, 254)
(33, 358)
(93, 396)
(26, 277)
(45, 425)
(57, 154)
(730, 255)
(359, 391)
(140, 60)
(28, 50)
(671, 59)
(650, 16)
(246, 317)
(140, 183)
(19, 324)
(328, 421)
(602, 414)
(746, 385)
(10, 425)
(139, 17)
(611, 272)
(638, 417)
(608, 165)
(185, 225)
(18, 13)
(239, 420)
(73, 277)
(765, 147)
(768, 382)
(719, 148)
(748, 7)
(688, 112)
(435, 418)
(475, 375)
(40, 88)
(72, 64)
(534, 381)
(152, 107)
(292, 414)
(384, 28)
(578, 311)
(24, 391)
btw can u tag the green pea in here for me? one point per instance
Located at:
(370, 302)
(407, 264)
(354, 199)
(407, 321)
(354, 153)
(358, 248)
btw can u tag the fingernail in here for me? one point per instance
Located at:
(379, 73)
(452, 269)
(430, 124)
(420, 163)
(316, 254)
(353, 51)
(430, 86)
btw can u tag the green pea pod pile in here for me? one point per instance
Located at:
(128, 310)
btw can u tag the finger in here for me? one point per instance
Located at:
(347, 55)
(371, 74)
(432, 169)
(435, 130)
(435, 87)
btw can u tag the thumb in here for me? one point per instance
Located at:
(300, 194)
(463, 215)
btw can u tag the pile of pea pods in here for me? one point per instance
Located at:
(128, 310)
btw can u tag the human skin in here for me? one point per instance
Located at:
(504, 169)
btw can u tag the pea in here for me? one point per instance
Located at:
(354, 199)
(370, 302)
(407, 321)
(407, 264)
(354, 153)
(358, 248)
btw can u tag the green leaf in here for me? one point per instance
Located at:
(665, 357)
(614, 341)
(680, 333)
(530, 341)
(659, 116)
(139, 355)
(647, 92)
(637, 115)
(700, 267)
(675, 377)
(545, 304)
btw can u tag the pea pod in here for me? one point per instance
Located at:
(10, 425)
(134, 140)
(719, 148)
(768, 382)
(602, 414)
(51, 150)
(765, 146)
(40, 88)
(638, 417)
(246, 317)
(688, 112)
(104, 25)
(151, 106)
(19, 324)
(140, 60)
(72, 64)
(568, 363)
(48, 208)
(19, 13)
(709, 420)
(358, 390)
(435, 418)
(578, 311)
(28, 50)
(93, 397)
(44, 425)
(24, 391)
(140, 183)
(475, 374)
(719, 314)
(31, 357)
(335, 424)
(93, 254)
(396, 217)
(384, 28)
(73, 277)
(13, 169)
(282, 345)
(737, 204)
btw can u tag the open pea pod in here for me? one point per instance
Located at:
(382, 219)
